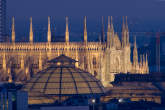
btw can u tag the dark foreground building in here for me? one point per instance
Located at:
(137, 87)
(12, 98)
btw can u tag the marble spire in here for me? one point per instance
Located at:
(49, 31)
(31, 31)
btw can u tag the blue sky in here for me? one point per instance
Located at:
(142, 14)
(39, 9)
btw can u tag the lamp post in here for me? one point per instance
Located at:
(93, 103)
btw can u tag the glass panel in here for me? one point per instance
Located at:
(53, 85)
(37, 90)
(42, 79)
(96, 90)
(54, 79)
(57, 75)
(78, 79)
(58, 70)
(84, 91)
(68, 85)
(93, 84)
(67, 80)
(76, 75)
(33, 79)
(52, 91)
(68, 91)
(45, 75)
(79, 85)
(65, 70)
(66, 75)
(39, 85)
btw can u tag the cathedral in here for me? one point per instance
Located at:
(103, 59)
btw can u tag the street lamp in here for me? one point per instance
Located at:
(93, 103)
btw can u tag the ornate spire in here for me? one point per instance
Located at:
(123, 33)
(67, 31)
(49, 31)
(135, 54)
(31, 31)
(146, 63)
(102, 30)
(141, 61)
(112, 28)
(85, 30)
(144, 60)
(108, 32)
(13, 30)
(127, 33)
(111, 33)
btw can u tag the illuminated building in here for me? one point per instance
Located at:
(20, 60)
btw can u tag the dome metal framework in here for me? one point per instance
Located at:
(61, 79)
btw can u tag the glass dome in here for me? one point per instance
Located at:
(61, 78)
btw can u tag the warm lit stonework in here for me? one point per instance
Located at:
(20, 60)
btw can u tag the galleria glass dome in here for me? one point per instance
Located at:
(61, 79)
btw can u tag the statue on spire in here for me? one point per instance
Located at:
(49, 31)
(124, 34)
(85, 30)
(67, 31)
(108, 32)
(112, 33)
(31, 31)
(127, 33)
(135, 55)
(102, 30)
(13, 30)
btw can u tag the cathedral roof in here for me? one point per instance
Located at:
(62, 78)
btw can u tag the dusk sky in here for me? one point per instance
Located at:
(39, 9)
(142, 13)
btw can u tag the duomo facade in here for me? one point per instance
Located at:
(20, 60)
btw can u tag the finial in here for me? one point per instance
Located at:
(108, 20)
(31, 31)
(111, 19)
(134, 40)
(85, 20)
(67, 23)
(126, 23)
(49, 31)
(102, 30)
(13, 30)
(85, 29)
(67, 31)
(126, 19)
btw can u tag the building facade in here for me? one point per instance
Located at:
(2, 19)
(12, 98)
(20, 60)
